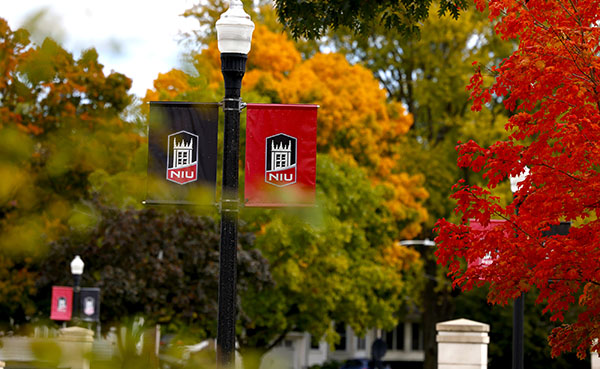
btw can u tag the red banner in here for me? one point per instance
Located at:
(281, 155)
(62, 303)
(477, 227)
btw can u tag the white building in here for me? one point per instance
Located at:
(298, 351)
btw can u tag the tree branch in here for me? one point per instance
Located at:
(280, 338)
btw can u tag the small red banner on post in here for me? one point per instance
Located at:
(479, 228)
(62, 303)
(281, 155)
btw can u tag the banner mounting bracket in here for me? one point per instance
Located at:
(233, 104)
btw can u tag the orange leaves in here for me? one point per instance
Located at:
(401, 257)
(353, 111)
(400, 121)
(208, 64)
(272, 52)
(13, 47)
(405, 203)
(168, 85)
(540, 65)
(31, 128)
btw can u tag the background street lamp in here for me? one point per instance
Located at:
(425, 242)
(234, 35)
(519, 304)
(76, 270)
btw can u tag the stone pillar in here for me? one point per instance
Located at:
(462, 344)
(76, 346)
(595, 360)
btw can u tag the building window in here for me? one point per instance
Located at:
(417, 337)
(399, 337)
(286, 343)
(389, 339)
(340, 329)
(361, 343)
(394, 339)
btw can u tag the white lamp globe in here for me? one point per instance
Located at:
(77, 266)
(515, 182)
(234, 29)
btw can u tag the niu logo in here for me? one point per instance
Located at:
(182, 157)
(280, 160)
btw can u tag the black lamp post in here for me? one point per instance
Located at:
(234, 34)
(76, 270)
(519, 303)
(518, 331)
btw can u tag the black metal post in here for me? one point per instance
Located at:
(519, 306)
(76, 291)
(518, 331)
(518, 322)
(233, 67)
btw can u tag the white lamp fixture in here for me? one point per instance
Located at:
(234, 29)
(77, 266)
(515, 181)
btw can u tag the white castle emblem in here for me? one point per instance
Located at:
(280, 160)
(281, 156)
(182, 157)
(182, 153)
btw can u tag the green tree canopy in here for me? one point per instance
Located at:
(312, 18)
(340, 267)
(429, 75)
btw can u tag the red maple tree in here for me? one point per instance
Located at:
(551, 85)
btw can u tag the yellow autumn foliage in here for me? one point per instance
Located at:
(400, 257)
(168, 85)
(208, 64)
(272, 53)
